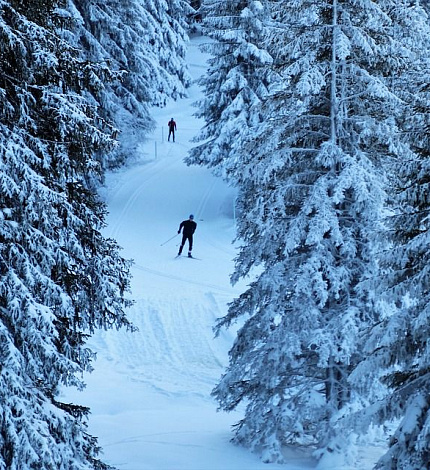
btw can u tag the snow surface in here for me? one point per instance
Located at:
(150, 392)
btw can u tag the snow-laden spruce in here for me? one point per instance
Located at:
(237, 79)
(60, 279)
(398, 349)
(146, 40)
(311, 171)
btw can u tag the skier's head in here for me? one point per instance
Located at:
(191, 217)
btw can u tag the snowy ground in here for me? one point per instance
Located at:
(150, 391)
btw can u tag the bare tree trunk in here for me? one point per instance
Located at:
(333, 93)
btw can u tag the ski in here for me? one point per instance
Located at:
(190, 257)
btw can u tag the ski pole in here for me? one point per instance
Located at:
(167, 241)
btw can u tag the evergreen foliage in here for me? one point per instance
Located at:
(399, 347)
(60, 279)
(318, 112)
(238, 76)
(146, 40)
(309, 164)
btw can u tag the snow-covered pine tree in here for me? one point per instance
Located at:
(146, 39)
(399, 349)
(171, 44)
(311, 195)
(112, 32)
(237, 79)
(194, 16)
(195, 4)
(60, 279)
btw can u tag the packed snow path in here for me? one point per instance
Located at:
(150, 391)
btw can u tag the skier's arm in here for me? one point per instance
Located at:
(180, 227)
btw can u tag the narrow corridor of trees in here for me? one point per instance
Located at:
(318, 113)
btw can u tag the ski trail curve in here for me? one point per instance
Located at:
(150, 393)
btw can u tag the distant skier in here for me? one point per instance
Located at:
(172, 129)
(189, 227)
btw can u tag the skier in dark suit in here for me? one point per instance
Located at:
(172, 129)
(189, 227)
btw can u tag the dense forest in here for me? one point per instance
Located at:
(71, 71)
(318, 114)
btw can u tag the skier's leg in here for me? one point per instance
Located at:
(190, 244)
(184, 238)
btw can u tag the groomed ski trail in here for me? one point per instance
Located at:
(150, 392)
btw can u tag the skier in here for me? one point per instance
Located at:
(189, 227)
(172, 128)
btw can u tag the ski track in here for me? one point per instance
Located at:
(173, 355)
(182, 279)
(140, 187)
(205, 198)
(166, 353)
(150, 392)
